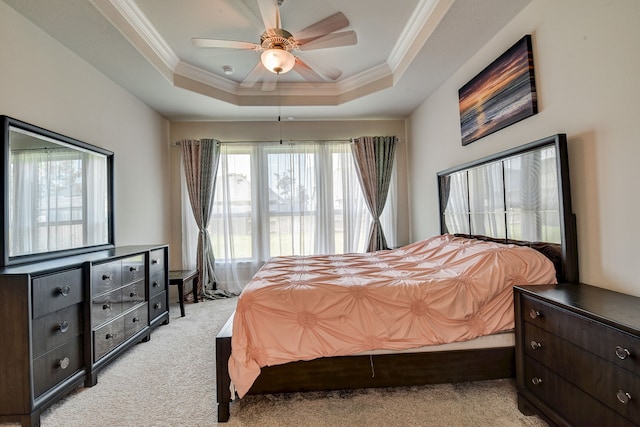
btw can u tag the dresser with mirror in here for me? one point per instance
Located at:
(71, 300)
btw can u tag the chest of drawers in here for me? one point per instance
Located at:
(158, 292)
(578, 354)
(64, 320)
(42, 350)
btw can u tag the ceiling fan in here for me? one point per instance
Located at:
(279, 47)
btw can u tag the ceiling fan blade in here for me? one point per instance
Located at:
(270, 14)
(229, 44)
(306, 71)
(345, 38)
(254, 75)
(325, 71)
(314, 71)
(328, 25)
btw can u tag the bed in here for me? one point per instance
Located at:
(505, 220)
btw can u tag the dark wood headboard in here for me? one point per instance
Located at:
(520, 196)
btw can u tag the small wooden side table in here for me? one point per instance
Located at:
(179, 278)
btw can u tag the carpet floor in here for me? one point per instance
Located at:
(170, 381)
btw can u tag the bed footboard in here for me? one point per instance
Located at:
(223, 381)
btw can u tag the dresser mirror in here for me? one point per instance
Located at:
(57, 194)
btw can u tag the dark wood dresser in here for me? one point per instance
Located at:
(64, 320)
(578, 355)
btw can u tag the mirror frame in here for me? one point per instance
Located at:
(5, 153)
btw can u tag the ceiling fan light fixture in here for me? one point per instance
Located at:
(278, 61)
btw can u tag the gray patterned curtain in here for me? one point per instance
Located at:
(201, 158)
(373, 156)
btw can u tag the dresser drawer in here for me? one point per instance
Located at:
(613, 386)
(609, 343)
(106, 277)
(55, 329)
(107, 337)
(576, 406)
(156, 261)
(157, 305)
(57, 365)
(133, 295)
(55, 291)
(157, 284)
(106, 307)
(135, 320)
(132, 269)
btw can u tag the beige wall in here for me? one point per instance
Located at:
(272, 131)
(44, 83)
(586, 61)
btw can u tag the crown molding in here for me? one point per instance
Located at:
(128, 18)
(415, 34)
(206, 77)
(138, 20)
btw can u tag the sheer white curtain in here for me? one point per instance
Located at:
(389, 214)
(97, 207)
(456, 213)
(283, 199)
(24, 172)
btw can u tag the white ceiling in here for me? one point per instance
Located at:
(406, 49)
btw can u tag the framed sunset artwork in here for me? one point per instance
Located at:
(500, 95)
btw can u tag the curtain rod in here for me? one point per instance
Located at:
(281, 141)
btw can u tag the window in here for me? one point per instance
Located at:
(293, 199)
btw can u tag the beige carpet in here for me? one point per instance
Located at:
(170, 381)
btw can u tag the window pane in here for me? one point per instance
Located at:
(291, 177)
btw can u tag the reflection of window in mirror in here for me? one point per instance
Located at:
(515, 198)
(531, 189)
(58, 196)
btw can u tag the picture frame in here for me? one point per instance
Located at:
(500, 95)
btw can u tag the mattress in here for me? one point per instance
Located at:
(498, 340)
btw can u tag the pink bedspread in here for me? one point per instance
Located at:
(435, 291)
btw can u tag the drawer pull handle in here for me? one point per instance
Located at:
(64, 290)
(156, 284)
(133, 294)
(107, 276)
(133, 268)
(536, 380)
(106, 306)
(155, 261)
(534, 313)
(623, 397)
(157, 305)
(64, 363)
(63, 327)
(622, 353)
(135, 319)
(536, 345)
(110, 336)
